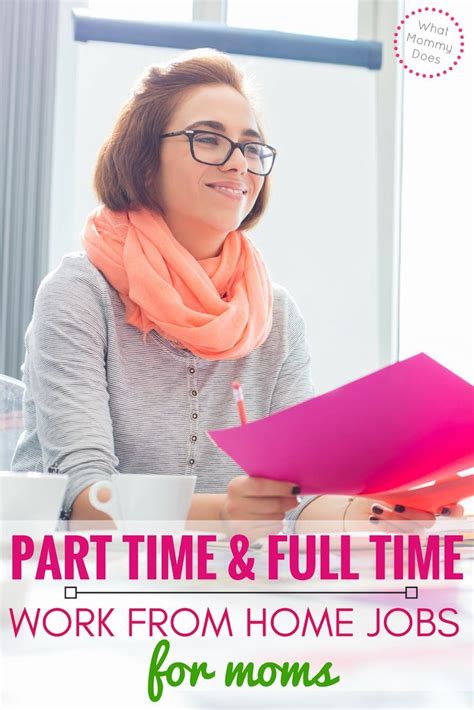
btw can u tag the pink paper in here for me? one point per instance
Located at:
(391, 429)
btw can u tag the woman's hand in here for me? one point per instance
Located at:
(367, 513)
(257, 506)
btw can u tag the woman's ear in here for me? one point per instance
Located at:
(148, 177)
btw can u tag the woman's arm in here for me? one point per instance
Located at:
(334, 513)
(65, 376)
(251, 506)
(82, 512)
(329, 509)
(205, 507)
(294, 385)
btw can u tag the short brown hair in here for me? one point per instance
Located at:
(128, 161)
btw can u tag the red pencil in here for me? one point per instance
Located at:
(239, 398)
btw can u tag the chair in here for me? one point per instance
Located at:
(11, 418)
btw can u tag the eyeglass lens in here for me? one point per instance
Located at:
(215, 149)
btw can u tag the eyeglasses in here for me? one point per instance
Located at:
(215, 149)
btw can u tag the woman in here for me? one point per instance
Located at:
(134, 344)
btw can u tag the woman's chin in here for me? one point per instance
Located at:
(225, 226)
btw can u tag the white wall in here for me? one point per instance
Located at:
(436, 266)
(437, 274)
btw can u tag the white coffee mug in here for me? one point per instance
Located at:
(31, 495)
(145, 497)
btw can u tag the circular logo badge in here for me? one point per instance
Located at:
(428, 42)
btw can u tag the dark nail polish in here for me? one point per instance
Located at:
(373, 520)
(446, 511)
(399, 508)
(296, 490)
(377, 509)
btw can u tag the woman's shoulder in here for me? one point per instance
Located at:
(74, 278)
(73, 297)
(75, 291)
(284, 305)
(280, 292)
(287, 315)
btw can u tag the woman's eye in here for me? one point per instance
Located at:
(254, 149)
(206, 139)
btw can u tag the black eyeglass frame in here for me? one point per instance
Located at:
(233, 145)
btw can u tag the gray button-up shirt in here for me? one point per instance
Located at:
(99, 400)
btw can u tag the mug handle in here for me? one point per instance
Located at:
(108, 507)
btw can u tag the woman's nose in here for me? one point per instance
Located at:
(236, 161)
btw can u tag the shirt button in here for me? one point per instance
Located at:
(191, 461)
(191, 370)
(194, 393)
(194, 437)
(194, 415)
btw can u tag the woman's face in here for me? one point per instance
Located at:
(188, 191)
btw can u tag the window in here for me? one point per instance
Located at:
(322, 18)
(170, 11)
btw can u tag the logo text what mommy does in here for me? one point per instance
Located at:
(422, 40)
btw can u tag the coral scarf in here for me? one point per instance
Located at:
(218, 308)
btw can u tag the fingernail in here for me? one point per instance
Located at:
(399, 508)
(446, 511)
(295, 490)
(377, 509)
(373, 520)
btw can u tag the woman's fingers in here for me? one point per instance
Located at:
(262, 487)
(453, 510)
(402, 514)
(259, 498)
(395, 526)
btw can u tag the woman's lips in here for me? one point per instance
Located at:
(230, 193)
